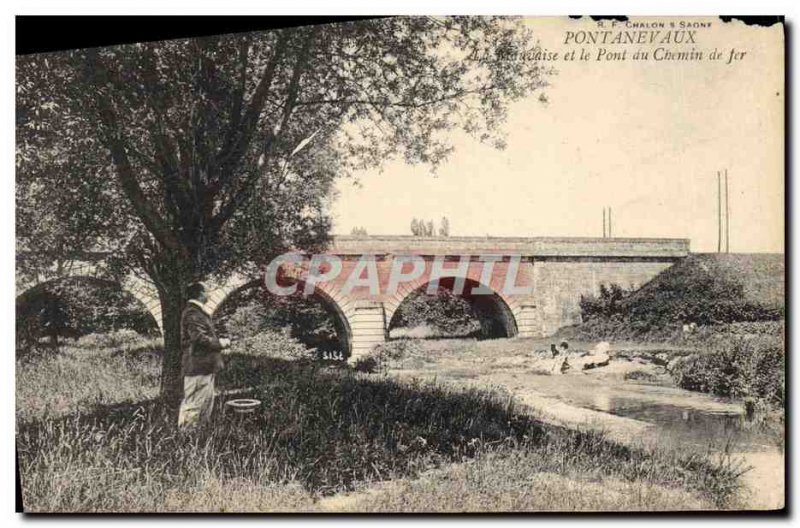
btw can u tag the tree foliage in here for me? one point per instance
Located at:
(443, 311)
(444, 227)
(254, 311)
(420, 227)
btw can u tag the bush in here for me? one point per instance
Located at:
(384, 355)
(274, 344)
(255, 310)
(607, 304)
(367, 365)
(640, 375)
(736, 367)
(775, 329)
(74, 307)
(450, 314)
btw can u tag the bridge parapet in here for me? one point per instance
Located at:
(512, 246)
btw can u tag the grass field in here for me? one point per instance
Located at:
(91, 437)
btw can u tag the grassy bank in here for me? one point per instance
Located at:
(94, 370)
(319, 432)
(744, 360)
(516, 480)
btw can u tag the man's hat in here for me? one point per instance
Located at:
(195, 289)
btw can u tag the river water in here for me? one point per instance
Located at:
(686, 419)
(693, 419)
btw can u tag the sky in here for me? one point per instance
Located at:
(645, 138)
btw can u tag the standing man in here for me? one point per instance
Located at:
(202, 358)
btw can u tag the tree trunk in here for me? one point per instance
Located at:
(171, 379)
(172, 284)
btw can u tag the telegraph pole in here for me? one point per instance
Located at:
(727, 217)
(719, 212)
(607, 223)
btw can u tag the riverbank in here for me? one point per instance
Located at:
(632, 400)
(322, 433)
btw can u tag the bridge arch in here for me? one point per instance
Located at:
(136, 289)
(497, 314)
(332, 301)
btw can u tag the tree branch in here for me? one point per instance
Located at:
(241, 131)
(246, 190)
(238, 101)
(176, 190)
(112, 139)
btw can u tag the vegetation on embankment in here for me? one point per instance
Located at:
(735, 306)
(319, 431)
(443, 314)
(97, 369)
(751, 368)
(707, 290)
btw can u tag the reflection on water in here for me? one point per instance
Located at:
(681, 416)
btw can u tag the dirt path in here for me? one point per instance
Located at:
(764, 483)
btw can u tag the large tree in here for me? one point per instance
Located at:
(189, 158)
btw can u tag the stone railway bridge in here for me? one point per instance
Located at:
(532, 288)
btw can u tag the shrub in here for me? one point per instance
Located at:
(607, 304)
(445, 311)
(384, 355)
(640, 375)
(775, 329)
(76, 307)
(737, 367)
(245, 321)
(255, 310)
(366, 364)
(274, 344)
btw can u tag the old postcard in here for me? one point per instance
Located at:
(405, 264)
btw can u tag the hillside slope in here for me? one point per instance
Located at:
(712, 288)
(761, 275)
